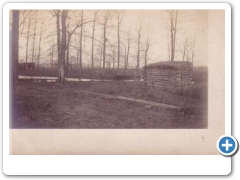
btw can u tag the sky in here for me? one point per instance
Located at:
(191, 24)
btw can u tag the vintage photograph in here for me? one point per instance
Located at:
(109, 69)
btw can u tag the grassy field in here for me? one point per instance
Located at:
(49, 105)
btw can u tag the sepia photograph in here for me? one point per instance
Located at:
(86, 82)
(109, 69)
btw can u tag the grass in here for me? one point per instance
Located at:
(48, 105)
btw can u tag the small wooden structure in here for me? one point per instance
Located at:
(176, 74)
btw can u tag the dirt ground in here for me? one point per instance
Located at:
(53, 106)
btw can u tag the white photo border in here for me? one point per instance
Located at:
(115, 164)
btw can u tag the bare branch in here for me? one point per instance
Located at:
(24, 18)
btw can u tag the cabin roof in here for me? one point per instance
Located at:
(170, 65)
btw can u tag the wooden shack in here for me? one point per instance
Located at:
(176, 74)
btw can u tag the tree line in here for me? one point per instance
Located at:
(111, 46)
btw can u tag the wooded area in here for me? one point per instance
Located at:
(97, 39)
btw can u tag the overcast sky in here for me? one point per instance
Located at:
(192, 24)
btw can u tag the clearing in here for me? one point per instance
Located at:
(51, 106)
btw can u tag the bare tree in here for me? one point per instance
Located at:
(29, 25)
(14, 44)
(52, 50)
(147, 46)
(125, 55)
(106, 19)
(39, 47)
(119, 23)
(139, 44)
(192, 49)
(185, 48)
(81, 38)
(129, 40)
(100, 52)
(63, 47)
(187, 55)
(93, 37)
(169, 53)
(77, 52)
(51, 45)
(173, 17)
(188, 50)
(25, 14)
(65, 44)
(57, 14)
(67, 55)
(34, 35)
(113, 54)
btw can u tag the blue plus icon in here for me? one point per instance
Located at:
(227, 145)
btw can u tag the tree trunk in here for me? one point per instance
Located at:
(119, 22)
(128, 49)
(113, 64)
(183, 56)
(184, 49)
(118, 44)
(169, 54)
(52, 57)
(113, 59)
(81, 35)
(67, 58)
(145, 61)
(173, 31)
(29, 25)
(52, 50)
(172, 51)
(148, 44)
(101, 59)
(138, 47)
(61, 76)
(33, 46)
(193, 47)
(15, 42)
(39, 47)
(125, 57)
(77, 59)
(93, 46)
(93, 36)
(104, 45)
(68, 45)
(58, 37)
(104, 37)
